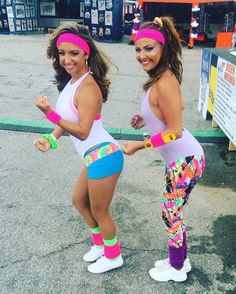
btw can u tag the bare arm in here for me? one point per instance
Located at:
(167, 93)
(170, 104)
(58, 132)
(88, 102)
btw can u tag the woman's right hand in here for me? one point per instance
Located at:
(42, 144)
(137, 121)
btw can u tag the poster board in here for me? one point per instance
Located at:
(225, 101)
(104, 19)
(18, 16)
(221, 91)
(25, 15)
(204, 83)
(4, 21)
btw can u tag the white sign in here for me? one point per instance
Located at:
(204, 83)
(225, 102)
(10, 17)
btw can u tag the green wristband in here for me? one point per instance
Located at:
(51, 140)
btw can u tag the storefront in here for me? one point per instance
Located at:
(210, 16)
(18, 16)
(53, 13)
(104, 19)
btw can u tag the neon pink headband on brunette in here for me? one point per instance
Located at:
(74, 39)
(150, 34)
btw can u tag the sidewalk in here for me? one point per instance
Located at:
(42, 237)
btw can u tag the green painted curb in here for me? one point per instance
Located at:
(29, 126)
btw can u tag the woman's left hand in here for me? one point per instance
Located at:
(42, 102)
(130, 148)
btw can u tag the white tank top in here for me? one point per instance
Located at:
(66, 109)
(185, 146)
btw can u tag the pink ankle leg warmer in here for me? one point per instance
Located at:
(112, 251)
(97, 239)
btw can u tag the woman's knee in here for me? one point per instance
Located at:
(99, 213)
(79, 204)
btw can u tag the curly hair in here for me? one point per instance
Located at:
(97, 61)
(171, 52)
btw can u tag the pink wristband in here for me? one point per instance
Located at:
(53, 117)
(157, 140)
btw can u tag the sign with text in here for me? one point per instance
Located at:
(204, 83)
(225, 102)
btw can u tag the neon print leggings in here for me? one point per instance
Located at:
(180, 178)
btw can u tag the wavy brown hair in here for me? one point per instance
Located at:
(171, 52)
(97, 61)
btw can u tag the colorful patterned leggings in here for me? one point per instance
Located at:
(180, 178)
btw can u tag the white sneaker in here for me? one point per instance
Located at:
(104, 264)
(93, 254)
(162, 264)
(167, 274)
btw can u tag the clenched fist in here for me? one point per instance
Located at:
(42, 144)
(43, 103)
(137, 121)
(129, 148)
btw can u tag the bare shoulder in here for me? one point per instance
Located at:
(167, 83)
(88, 90)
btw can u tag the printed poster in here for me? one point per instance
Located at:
(225, 102)
(94, 16)
(108, 18)
(101, 5)
(204, 83)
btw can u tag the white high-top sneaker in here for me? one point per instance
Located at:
(93, 254)
(167, 274)
(162, 264)
(104, 264)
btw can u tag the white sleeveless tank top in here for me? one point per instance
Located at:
(66, 109)
(185, 146)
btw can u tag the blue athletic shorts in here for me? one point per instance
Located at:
(104, 160)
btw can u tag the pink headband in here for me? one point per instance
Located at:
(74, 39)
(150, 34)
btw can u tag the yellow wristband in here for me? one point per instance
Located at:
(169, 137)
(147, 144)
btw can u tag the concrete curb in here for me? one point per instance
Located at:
(29, 126)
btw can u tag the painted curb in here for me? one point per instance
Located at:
(40, 127)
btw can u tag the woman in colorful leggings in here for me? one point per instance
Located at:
(81, 77)
(158, 50)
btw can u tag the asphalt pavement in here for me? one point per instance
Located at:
(43, 238)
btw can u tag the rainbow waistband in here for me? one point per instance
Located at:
(100, 152)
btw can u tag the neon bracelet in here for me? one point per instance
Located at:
(51, 139)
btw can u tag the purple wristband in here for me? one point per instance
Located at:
(53, 117)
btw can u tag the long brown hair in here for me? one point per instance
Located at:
(171, 52)
(97, 61)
